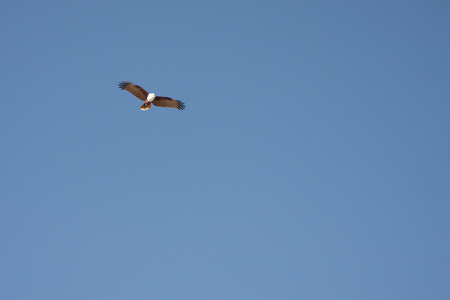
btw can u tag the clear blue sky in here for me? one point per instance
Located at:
(312, 160)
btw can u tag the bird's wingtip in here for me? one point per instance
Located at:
(123, 84)
(181, 105)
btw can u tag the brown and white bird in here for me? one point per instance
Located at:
(150, 98)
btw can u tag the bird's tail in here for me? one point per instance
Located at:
(146, 106)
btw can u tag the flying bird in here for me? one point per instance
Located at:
(150, 98)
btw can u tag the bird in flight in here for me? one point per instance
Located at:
(150, 98)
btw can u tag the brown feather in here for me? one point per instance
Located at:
(134, 89)
(168, 102)
(145, 106)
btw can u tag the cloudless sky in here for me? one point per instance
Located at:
(311, 162)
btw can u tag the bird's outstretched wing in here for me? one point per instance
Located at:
(168, 102)
(134, 89)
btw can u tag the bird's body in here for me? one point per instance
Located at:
(150, 98)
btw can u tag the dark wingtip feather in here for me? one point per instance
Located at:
(123, 84)
(181, 105)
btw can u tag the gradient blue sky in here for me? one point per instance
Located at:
(312, 161)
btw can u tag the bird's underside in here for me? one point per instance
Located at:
(150, 98)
